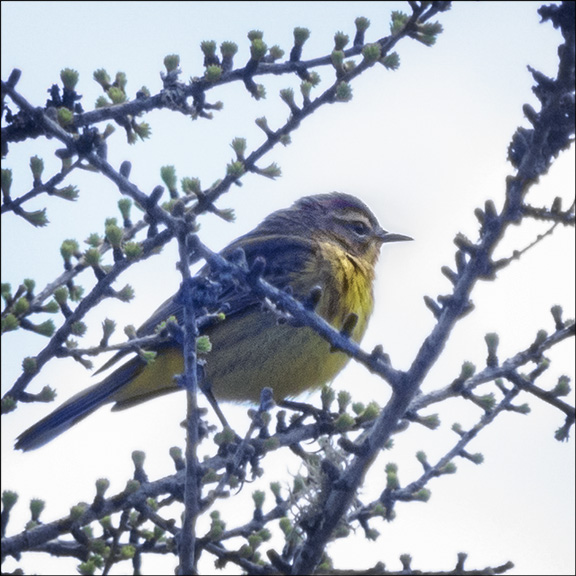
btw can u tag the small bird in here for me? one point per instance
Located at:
(331, 241)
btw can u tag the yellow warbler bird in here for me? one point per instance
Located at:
(328, 240)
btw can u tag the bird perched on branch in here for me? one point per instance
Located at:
(331, 241)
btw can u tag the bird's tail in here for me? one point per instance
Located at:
(78, 407)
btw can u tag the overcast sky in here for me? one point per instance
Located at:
(422, 146)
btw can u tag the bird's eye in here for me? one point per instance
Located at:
(360, 228)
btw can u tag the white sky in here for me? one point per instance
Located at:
(423, 146)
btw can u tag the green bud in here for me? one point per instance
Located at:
(101, 76)
(427, 33)
(343, 92)
(94, 240)
(457, 427)
(171, 62)
(239, 146)
(275, 53)
(287, 95)
(114, 234)
(358, 408)
(208, 48)
(68, 249)
(29, 365)
(126, 294)
(477, 458)
(69, 78)
(212, 73)
(228, 49)
(29, 285)
(65, 117)
(108, 328)
(138, 458)
(8, 403)
(254, 540)
(203, 344)
(362, 24)
(191, 186)
(36, 508)
(557, 312)
(337, 58)
(562, 387)
(133, 250)
(21, 306)
(272, 171)
(421, 457)
(399, 20)
(76, 293)
(372, 534)
(77, 511)
(168, 175)
(117, 95)
(143, 130)
(260, 93)
(540, 338)
(344, 398)
(255, 35)
(235, 169)
(486, 401)
(285, 525)
(36, 218)
(344, 422)
(305, 89)
(449, 468)
(492, 340)
(101, 102)
(423, 495)
(9, 498)
(370, 413)
(372, 52)
(9, 323)
(37, 167)
(314, 78)
(125, 206)
(275, 489)
(263, 124)
(392, 481)
(328, 396)
(6, 291)
(132, 486)
(301, 35)
(258, 49)
(391, 61)
(46, 328)
(99, 547)
(47, 394)
(264, 534)
(258, 496)
(340, 40)
(225, 436)
(467, 371)
(6, 181)
(78, 329)
(102, 484)
(92, 257)
(120, 80)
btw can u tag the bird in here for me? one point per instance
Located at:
(327, 244)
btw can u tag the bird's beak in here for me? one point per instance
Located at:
(385, 236)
